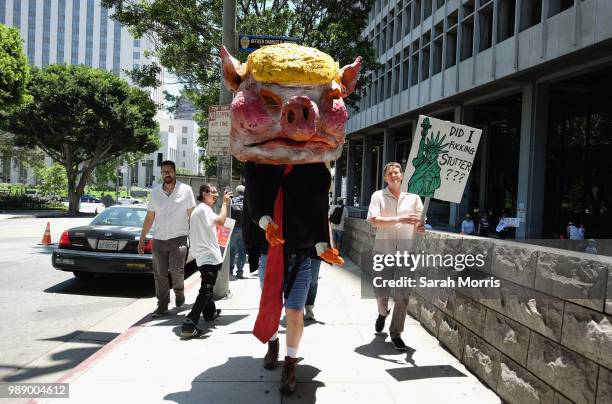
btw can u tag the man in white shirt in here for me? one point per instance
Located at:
(396, 216)
(338, 228)
(168, 211)
(207, 254)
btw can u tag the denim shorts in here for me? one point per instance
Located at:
(299, 291)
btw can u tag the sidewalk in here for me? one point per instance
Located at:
(344, 361)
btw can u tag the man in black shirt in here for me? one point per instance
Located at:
(237, 251)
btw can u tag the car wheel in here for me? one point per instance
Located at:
(83, 276)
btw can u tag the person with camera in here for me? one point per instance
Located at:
(207, 254)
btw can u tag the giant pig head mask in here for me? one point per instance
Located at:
(289, 106)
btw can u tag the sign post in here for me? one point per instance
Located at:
(250, 43)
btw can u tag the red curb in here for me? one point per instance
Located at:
(82, 367)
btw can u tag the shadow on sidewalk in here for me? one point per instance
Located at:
(242, 379)
(378, 349)
(63, 360)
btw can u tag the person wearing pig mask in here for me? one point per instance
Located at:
(288, 118)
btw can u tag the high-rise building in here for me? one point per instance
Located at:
(76, 32)
(71, 32)
(535, 75)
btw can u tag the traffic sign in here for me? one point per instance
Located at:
(249, 43)
(219, 127)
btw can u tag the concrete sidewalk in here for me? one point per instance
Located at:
(343, 359)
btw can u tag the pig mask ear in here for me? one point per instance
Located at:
(231, 70)
(349, 75)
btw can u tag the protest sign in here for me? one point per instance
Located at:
(440, 159)
(512, 221)
(224, 233)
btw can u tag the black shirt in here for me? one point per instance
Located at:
(305, 194)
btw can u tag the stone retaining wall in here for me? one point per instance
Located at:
(544, 336)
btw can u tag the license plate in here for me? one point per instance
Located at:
(108, 245)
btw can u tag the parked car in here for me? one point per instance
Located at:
(128, 200)
(107, 245)
(90, 199)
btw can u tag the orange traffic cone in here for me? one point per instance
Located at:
(46, 240)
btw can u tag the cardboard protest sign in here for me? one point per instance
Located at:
(440, 159)
(224, 233)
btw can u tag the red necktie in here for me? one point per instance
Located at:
(271, 301)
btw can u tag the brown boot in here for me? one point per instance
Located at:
(288, 378)
(271, 358)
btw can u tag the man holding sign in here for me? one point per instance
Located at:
(397, 217)
(207, 253)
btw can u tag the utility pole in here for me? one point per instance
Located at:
(224, 163)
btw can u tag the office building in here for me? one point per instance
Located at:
(535, 75)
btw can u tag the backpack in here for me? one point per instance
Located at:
(336, 216)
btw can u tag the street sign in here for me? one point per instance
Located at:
(249, 43)
(440, 159)
(219, 127)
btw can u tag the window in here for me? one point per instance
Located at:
(2, 13)
(396, 74)
(61, 30)
(557, 6)
(485, 20)
(17, 14)
(136, 43)
(406, 68)
(116, 48)
(407, 18)
(171, 128)
(388, 81)
(46, 32)
(136, 66)
(31, 30)
(414, 79)
(185, 129)
(184, 140)
(416, 14)
(89, 33)
(531, 14)
(76, 14)
(183, 164)
(398, 23)
(505, 19)
(103, 34)
(467, 27)
(136, 55)
(184, 153)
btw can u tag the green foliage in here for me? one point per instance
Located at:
(52, 180)
(83, 117)
(14, 70)
(187, 36)
(187, 33)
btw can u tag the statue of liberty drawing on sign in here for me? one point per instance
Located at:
(426, 177)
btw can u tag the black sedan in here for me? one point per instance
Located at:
(107, 246)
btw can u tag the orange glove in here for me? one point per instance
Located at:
(273, 234)
(332, 256)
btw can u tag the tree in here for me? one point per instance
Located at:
(14, 70)
(82, 118)
(52, 179)
(187, 36)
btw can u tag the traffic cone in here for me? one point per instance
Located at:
(46, 240)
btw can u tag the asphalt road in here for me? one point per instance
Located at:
(40, 307)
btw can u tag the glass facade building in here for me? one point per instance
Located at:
(532, 74)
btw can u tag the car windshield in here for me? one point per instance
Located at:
(120, 217)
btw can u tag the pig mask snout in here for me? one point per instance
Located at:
(299, 118)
